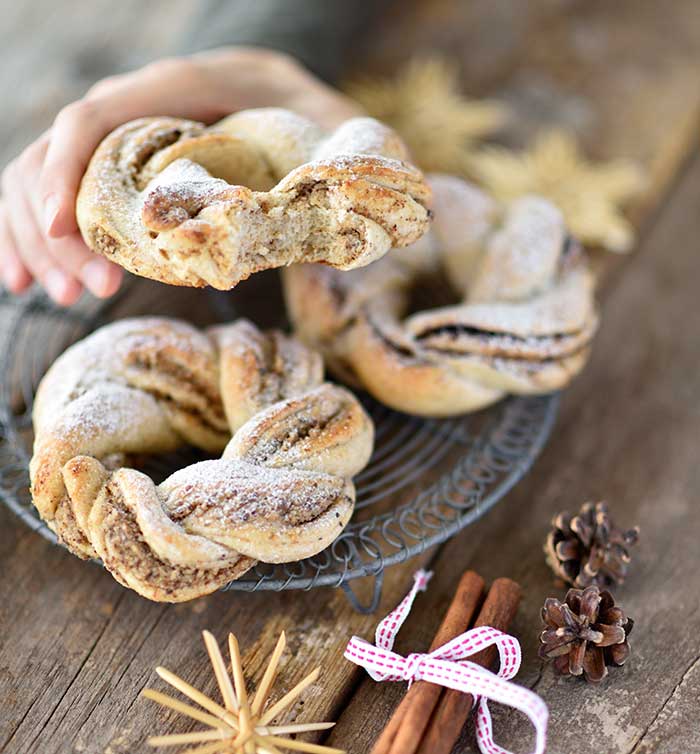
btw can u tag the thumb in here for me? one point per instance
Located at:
(76, 132)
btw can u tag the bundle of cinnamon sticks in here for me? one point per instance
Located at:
(430, 718)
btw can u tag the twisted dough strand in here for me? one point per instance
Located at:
(173, 200)
(524, 324)
(281, 490)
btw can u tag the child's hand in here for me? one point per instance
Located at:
(39, 237)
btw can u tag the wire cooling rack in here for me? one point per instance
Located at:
(427, 478)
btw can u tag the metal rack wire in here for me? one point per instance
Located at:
(427, 478)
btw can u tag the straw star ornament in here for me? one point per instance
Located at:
(590, 195)
(424, 104)
(240, 726)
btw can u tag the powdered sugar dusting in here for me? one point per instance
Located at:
(363, 136)
(116, 393)
(182, 225)
(521, 258)
(225, 493)
(525, 323)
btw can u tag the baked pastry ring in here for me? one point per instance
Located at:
(281, 490)
(524, 325)
(186, 204)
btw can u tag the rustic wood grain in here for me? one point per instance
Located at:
(76, 649)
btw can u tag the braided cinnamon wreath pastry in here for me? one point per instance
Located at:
(524, 324)
(281, 490)
(173, 200)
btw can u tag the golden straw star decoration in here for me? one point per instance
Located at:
(589, 194)
(241, 726)
(423, 103)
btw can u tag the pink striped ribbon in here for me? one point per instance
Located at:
(448, 666)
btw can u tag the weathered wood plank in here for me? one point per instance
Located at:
(75, 658)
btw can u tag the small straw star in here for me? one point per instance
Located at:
(425, 105)
(240, 726)
(589, 194)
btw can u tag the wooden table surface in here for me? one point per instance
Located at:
(76, 648)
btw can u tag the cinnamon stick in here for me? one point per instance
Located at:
(403, 732)
(454, 707)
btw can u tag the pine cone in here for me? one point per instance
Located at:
(585, 634)
(588, 548)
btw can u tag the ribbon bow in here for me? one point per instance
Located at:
(448, 666)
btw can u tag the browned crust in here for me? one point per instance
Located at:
(454, 359)
(281, 490)
(150, 202)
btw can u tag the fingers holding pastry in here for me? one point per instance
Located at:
(39, 237)
(62, 266)
(205, 87)
(30, 243)
(166, 86)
